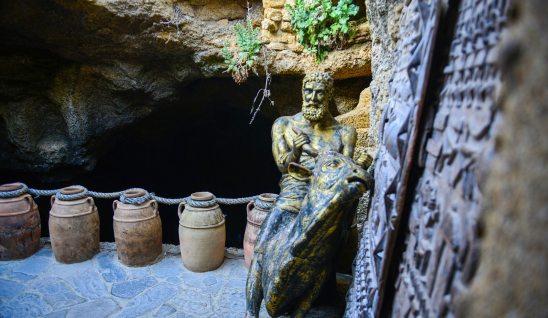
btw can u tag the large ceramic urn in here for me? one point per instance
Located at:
(73, 225)
(137, 230)
(19, 223)
(202, 233)
(257, 211)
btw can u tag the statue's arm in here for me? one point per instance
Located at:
(349, 137)
(283, 154)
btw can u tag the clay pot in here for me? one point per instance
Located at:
(74, 227)
(256, 213)
(19, 225)
(137, 231)
(202, 234)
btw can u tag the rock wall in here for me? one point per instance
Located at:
(287, 56)
(512, 279)
(74, 73)
(383, 17)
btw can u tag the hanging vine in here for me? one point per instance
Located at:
(242, 58)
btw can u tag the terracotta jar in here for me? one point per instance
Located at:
(256, 213)
(202, 233)
(19, 225)
(74, 226)
(137, 230)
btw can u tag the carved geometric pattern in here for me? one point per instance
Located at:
(441, 254)
(397, 134)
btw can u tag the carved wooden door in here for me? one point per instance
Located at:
(433, 217)
(441, 254)
(398, 139)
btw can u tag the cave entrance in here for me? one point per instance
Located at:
(187, 147)
(201, 141)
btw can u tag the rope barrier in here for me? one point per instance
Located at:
(168, 201)
(123, 197)
(104, 195)
(39, 193)
(76, 193)
(135, 196)
(201, 203)
(13, 190)
(262, 204)
(236, 201)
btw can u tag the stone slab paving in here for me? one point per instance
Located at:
(39, 286)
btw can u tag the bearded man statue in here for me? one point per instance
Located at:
(297, 143)
(299, 138)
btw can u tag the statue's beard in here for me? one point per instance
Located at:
(313, 113)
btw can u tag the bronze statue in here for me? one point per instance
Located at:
(311, 217)
(296, 255)
(299, 138)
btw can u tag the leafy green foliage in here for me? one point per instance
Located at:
(244, 56)
(321, 25)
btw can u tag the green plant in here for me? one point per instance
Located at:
(243, 57)
(321, 25)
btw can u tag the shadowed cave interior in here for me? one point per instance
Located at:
(201, 142)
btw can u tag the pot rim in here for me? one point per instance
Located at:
(134, 193)
(202, 196)
(11, 186)
(72, 190)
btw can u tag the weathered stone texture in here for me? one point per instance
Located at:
(343, 64)
(73, 74)
(359, 119)
(512, 280)
(383, 17)
(287, 56)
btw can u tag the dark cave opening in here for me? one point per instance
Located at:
(201, 142)
(212, 149)
(204, 142)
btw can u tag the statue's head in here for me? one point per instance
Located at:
(317, 93)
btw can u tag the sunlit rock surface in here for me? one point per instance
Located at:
(73, 74)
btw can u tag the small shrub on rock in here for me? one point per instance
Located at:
(322, 25)
(243, 57)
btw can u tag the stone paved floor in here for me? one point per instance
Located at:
(39, 286)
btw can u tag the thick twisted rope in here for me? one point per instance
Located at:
(263, 204)
(104, 195)
(201, 203)
(236, 201)
(73, 196)
(39, 193)
(123, 198)
(168, 201)
(14, 193)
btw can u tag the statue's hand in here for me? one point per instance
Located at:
(363, 158)
(300, 140)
